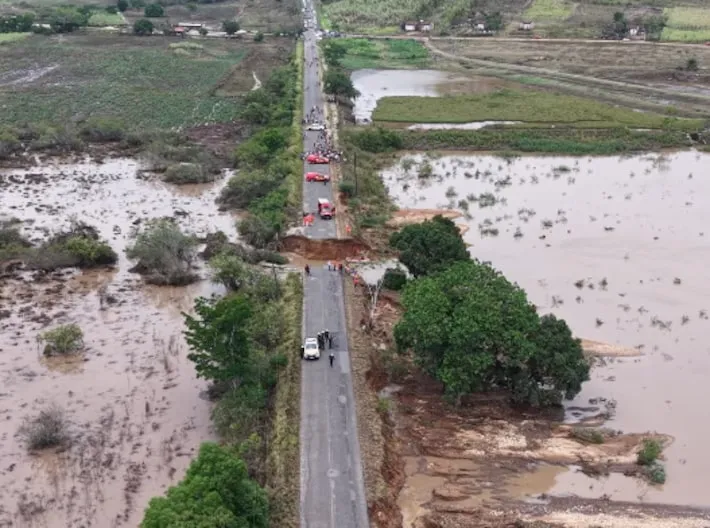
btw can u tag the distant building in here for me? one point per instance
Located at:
(425, 26)
(479, 26)
(526, 26)
(190, 25)
(409, 26)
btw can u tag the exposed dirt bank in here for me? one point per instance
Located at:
(323, 250)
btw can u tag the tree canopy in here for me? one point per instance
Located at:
(218, 339)
(215, 493)
(230, 27)
(337, 82)
(142, 26)
(429, 246)
(154, 10)
(472, 329)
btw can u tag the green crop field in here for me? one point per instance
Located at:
(364, 53)
(687, 24)
(529, 107)
(549, 11)
(102, 18)
(7, 38)
(142, 81)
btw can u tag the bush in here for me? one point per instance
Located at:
(10, 236)
(588, 435)
(63, 340)
(102, 131)
(338, 82)
(259, 37)
(246, 187)
(122, 5)
(256, 232)
(656, 473)
(347, 189)
(230, 27)
(164, 253)
(112, 10)
(650, 452)
(154, 11)
(143, 26)
(89, 252)
(378, 140)
(185, 173)
(48, 429)
(394, 279)
(692, 64)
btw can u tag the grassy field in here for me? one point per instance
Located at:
(529, 107)
(101, 19)
(687, 24)
(364, 53)
(143, 82)
(7, 38)
(548, 10)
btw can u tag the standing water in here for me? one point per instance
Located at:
(616, 246)
(132, 399)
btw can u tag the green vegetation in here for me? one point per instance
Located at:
(143, 26)
(184, 173)
(216, 492)
(687, 24)
(230, 27)
(356, 15)
(394, 279)
(549, 11)
(656, 473)
(63, 340)
(354, 53)
(588, 435)
(49, 428)
(164, 253)
(101, 19)
(529, 107)
(337, 82)
(154, 11)
(269, 163)
(430, 246)
(559, 140)
(97, 77)
(473, 330)
(650, 451)
(7, 38)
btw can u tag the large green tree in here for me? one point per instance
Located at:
(429, 246)
(472, 329)
(337, 82)
(215, 493)
(218, 339)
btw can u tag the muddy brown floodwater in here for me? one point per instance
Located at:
(132, 399)
(616, 246)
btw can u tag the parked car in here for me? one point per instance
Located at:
(317, 177)
(315, 126)
(316, 159)
(310, 348)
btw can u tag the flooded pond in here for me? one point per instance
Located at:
(132, 399)
(614, 245)
(373, 85)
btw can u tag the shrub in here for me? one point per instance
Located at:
(692, 64)
(112, 10)
(255, 231)
(378, 140)
(48, 429)
(650, 451)
(203, 31)
(63, 340)
(588, 435)
(102, 130)
(154, 11)
(259, 37)
(656, 473)
(89, 252)
(184, 173)
(122, 5)
(10, 236)
(164, 253)
(230, 27)
(347, 189)
(143, 26)
(394, 279)
(243, 189)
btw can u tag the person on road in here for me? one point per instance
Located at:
(331, 357)
(308, 269)
(326, 334)
(303, 351)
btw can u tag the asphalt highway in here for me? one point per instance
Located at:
(332, 484)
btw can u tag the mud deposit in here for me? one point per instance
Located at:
(616, 246)
(373, 85)
(132, 399)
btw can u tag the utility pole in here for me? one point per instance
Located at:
(355, 170)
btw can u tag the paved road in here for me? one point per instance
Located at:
(332, 484)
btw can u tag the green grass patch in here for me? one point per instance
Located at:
(548, 11)
(530, 107)
(349, 15)
(392, 54)
(137, 80)
(685, 35)
(6, 38)
(102, 19)
(687, 24)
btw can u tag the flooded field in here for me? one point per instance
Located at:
(373, 85)
(132, 399)
(615, 245)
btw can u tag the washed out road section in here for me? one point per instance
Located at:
(332, 484)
